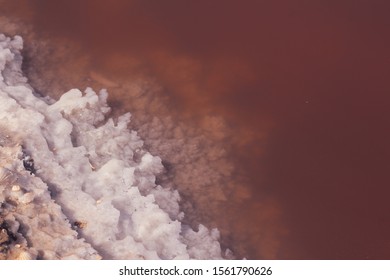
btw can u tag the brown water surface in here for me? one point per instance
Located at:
(301, 87)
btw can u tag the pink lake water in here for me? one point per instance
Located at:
(303, 92)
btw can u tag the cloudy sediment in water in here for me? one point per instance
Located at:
(196, 152)
(77, 185)
(270, 117)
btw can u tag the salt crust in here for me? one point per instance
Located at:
(92, 194)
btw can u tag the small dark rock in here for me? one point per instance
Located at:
(6, 236)
(28, 164)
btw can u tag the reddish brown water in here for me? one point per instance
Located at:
(303, 83)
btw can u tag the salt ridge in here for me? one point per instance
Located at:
(92, 192)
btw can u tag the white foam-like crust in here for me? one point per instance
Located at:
(93, 192)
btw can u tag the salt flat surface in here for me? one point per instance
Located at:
(76, 185)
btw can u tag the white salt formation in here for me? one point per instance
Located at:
(74, 185)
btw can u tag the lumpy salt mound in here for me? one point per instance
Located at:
(74, 185)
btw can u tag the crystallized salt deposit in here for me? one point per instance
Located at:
(74, 185)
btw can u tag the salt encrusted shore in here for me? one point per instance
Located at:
(75, 185)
